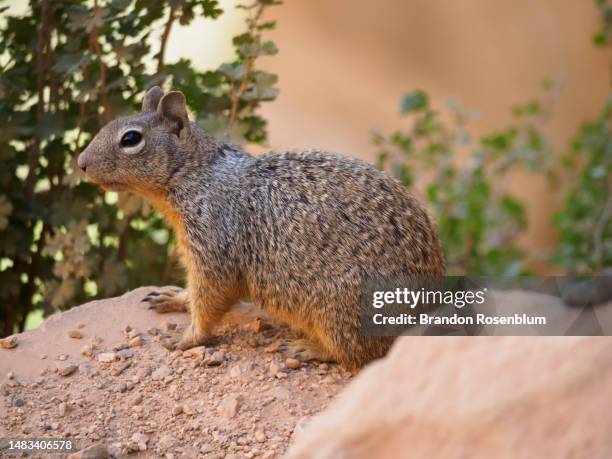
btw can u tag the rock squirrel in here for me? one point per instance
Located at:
(294, 231)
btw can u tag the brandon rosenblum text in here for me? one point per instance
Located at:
(457, 319)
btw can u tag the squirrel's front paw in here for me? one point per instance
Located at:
(170, 300)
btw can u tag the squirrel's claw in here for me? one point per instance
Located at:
(171, 300)
(304, 351)
(149, 295)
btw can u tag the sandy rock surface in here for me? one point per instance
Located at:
(99, 373)
(472, 397)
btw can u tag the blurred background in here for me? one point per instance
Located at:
(496, 114)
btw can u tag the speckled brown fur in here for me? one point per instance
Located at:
(295, 231)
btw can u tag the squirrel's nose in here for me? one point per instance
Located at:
(81, 162)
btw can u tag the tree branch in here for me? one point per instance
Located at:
(164, 39)
(94, 40)
(249, 61)
(42, 48)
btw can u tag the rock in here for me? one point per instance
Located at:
(133, 334)
(178, 409)
(216, 359)
(67, 370)
(95, 451)
(274, 368)
(39, 380)
(293, 363)
(198, 352)
(9, 342)
(125, 354)
(161, 373)
(136, 341)
(328, 380)
(120, 368)
(167, 326)
(143, 373)
(62, 357)
(141, 440)
(122, 388)
(75, 334)
(137, 400)
(235, 372)
(281, 375)
(166, 441)
(62, 409)
(17, 401)
(260, 436)
(10, 375)
(230, 405)
(107, 357)
(503, 389)
(87, 350)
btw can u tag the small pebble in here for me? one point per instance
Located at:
(274, 368)
(107, 357)
(216, 359)
(9, 342)
(293, 363)
(230, 405)
(167, 326)
(260, 436)
(75, 334)
(67, 370)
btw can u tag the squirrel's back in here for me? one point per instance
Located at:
(315, 225)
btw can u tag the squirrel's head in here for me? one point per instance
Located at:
(142, 152)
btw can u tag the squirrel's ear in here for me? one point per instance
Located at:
(151, 99)
(173, 107)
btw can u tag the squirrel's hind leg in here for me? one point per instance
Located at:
(305, 350)
(174, 299)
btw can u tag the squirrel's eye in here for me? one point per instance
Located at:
(131, 138)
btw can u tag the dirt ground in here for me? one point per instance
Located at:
(100, 375)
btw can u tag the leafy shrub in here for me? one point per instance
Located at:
(67, 68)
(478, 220)
(585, 221)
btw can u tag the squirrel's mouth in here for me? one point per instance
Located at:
(113, 186)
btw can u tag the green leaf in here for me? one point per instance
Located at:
(413, 102)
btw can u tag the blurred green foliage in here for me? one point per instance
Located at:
(478, 220)
(67, 68)
(585, 221)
